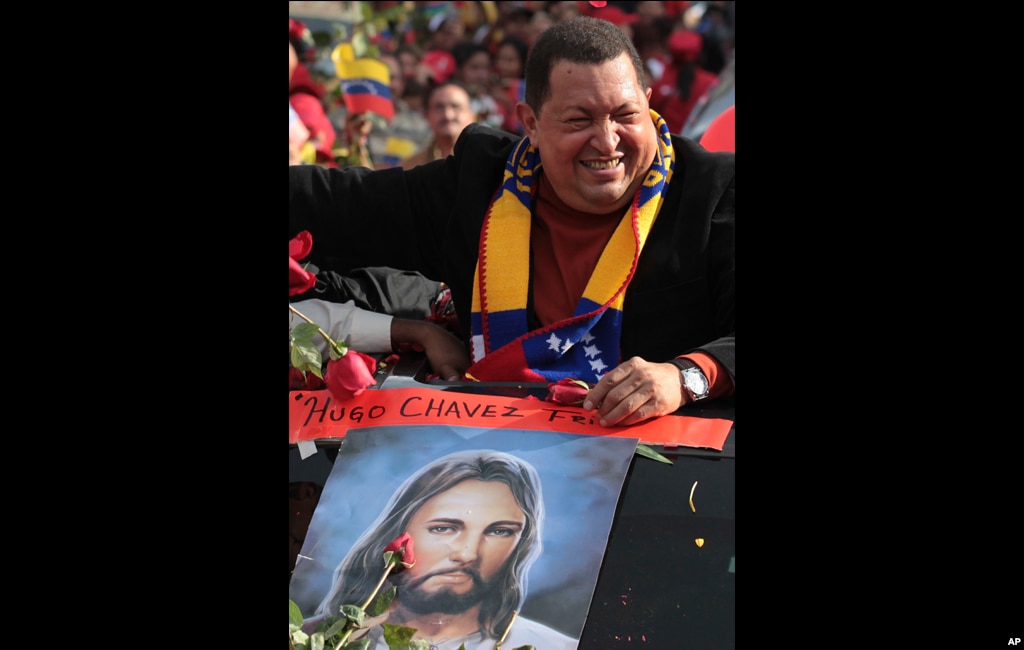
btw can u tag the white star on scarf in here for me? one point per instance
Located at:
(597, 366)
(591, 350)
(554, 343)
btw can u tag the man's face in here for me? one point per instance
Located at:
(595, 134)
(463, 538)
(448, 112)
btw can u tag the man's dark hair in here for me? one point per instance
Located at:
(361, 568)
(580, 40)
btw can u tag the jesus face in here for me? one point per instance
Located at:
(463, 536)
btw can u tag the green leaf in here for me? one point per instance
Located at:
(381, 602)
(306, 357)
(331, 626)
(294, 613)
(361, 644)
(299, 638)
(353, 613)
(305, 331)
(397, 636)
(647, 452)
(316, 641)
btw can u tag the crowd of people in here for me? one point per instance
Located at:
(683, 46)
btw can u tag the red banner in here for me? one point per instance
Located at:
(317, 414)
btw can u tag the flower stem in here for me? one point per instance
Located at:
(349, 629)
(331, 342)
(377, 588)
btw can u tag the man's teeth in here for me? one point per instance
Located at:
(608, 164)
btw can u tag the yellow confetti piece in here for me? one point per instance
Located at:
(691, 498)
(699, 542)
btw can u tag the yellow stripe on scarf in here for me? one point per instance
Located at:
(505, 244)
(623, 249)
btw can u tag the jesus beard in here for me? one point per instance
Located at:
(412, 597)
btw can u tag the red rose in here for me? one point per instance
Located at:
(350, 375)
(403, 548)
(568, 391)
(299, 279)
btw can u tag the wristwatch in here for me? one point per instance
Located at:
(693, 380)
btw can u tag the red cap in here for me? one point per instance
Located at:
(685, 45)
(615, 15)
(441, 64)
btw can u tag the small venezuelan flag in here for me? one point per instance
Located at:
(396, 150)
(365, 83)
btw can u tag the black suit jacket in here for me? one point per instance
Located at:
(428, 219)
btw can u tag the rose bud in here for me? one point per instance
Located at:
(350, 375)
(568, 391)
(402, 547)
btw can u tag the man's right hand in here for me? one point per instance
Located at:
(446, 352)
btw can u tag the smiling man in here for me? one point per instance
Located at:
(475, 518)
(599, 246)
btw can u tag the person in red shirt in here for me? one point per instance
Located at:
(306, 96)
(683, 81)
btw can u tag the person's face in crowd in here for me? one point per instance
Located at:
(648, 11)
(476, 72)
(519, 27)
(508, 63)
(448, 112)
(594, 133)
(540, 22)
(397, 77)
(450, 32)
(463, 537)
(409, 62)
(560, 11)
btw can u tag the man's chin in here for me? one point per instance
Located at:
(443, 600)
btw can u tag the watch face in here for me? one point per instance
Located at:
(696, 383)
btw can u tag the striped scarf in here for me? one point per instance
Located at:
(586, 345)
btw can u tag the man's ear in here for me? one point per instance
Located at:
(527, 118)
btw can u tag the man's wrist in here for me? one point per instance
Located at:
(693, 383)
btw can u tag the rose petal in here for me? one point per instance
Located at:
(350, 375)
(404, 547)
(300, 246)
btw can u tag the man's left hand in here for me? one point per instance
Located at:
(635, 391)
